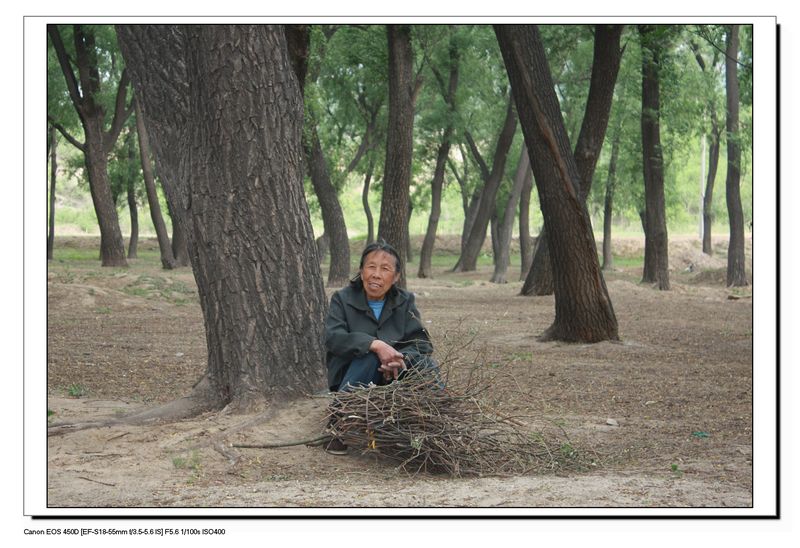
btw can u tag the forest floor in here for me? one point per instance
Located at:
(666, 412)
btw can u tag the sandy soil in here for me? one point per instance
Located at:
(678, 387)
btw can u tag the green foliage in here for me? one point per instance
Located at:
(76, 390)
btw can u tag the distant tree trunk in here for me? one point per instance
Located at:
(583, 308)
(449, 93)
(323, 244)
(608, 207)
(393, 225)
(409, 249)
(365, 201)
(133, 243)
(713, 158)
(167, 258)
(708, 195)
(332, 216)
(179, 250)
(426, 253)
(239, 163)
(494, 228)
(98, 142)
(51, 224)
(656, 265)
(506, 227)
(605, 68)
(737, 275)
(525, 240)
(492, 179)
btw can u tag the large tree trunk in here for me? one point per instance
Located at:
(656, 244)
(167, 259)
(605, 68)
(608, 206)
(492, 179)
(525, 240)
(179, 249)
(133, 209)
(98, 142)
(332, 216)
(51, 222)
(393, 225)
(225, 123)
(583, 307)
(737, 275)
(504, 232)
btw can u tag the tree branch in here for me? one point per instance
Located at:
(66, 68)
(73, 141)
(121, 114)
(477, 155)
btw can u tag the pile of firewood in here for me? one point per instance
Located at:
(425, 427)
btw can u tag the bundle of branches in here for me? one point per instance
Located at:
(442, 430)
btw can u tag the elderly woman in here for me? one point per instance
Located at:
(373, 331)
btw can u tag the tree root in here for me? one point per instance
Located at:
(200, 400)
(312, 442)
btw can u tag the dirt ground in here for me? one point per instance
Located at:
(666, 411)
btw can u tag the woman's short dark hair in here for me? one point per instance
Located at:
(375, 246)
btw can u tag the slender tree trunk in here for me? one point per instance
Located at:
(167, 258)
(605, 68)
(323, 244)
(494, 227)
(133, 243)
(239, 163)
(179, 249)
(583, 307)
(365, 201)
(393, 225)
(525, 240)
(477, 235)
(737, 275)
(332, 216)
(51, 224)
(504, 233)
(608, 207)
(656, 267)
(708, 195)
(409, 249)
(426, 253)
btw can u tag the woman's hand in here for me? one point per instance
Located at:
(386, 354)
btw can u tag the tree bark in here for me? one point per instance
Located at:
(525, 241)
(98, 141)
(51, 224)
(225, 123)
(393, 225)
(332, 215)
(656, 256)
(605, 69)
(179, 250)
(737, 275)
(504, 232)
(167, 258)
(133, 243)
(583, 308)
(492, 179)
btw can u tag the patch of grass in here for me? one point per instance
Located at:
(629, 261)
(676, 470)
(103, 310)
(76, 390)
(192, 463)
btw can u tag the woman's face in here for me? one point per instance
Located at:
(379, 274)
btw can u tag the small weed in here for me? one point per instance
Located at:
(76, 390)
(568, 451)
(676, 471)
(192, 463)
(103, 310)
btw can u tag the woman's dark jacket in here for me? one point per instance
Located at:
(351, 327)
